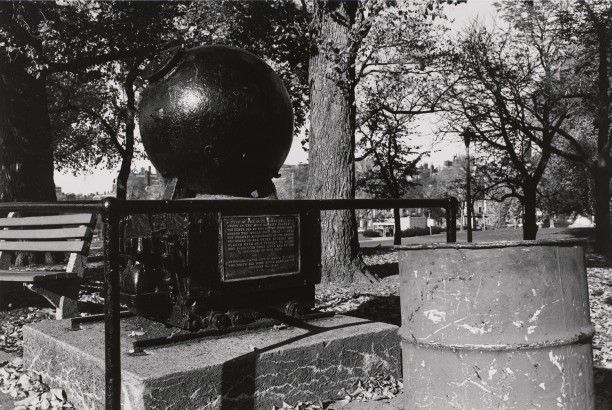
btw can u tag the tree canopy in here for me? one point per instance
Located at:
(90, 57)
(525, 88)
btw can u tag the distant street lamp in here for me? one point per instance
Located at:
(467, 135)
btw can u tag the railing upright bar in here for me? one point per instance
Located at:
(449, 234)
(451, 221)
(452, 227)
(112, 340)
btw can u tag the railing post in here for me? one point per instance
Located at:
(112, 351)
(451, 220)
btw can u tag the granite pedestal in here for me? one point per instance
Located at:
(248, 370)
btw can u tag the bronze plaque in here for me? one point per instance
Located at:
(256, 246)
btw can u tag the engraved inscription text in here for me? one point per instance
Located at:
(255, 246)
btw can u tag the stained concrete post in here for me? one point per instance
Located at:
(492, 326)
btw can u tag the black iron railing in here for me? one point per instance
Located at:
(112, 210)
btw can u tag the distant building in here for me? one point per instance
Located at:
(487, 214)
(144, 184)
(406, 222)
(58, 192)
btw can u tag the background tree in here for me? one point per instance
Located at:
(337, 30)
(589, 26)
(26, 158)
(393, 163)
(91, 56)
(510, 94)
(449, 181)
(575, 106)
(383, 137)
(101, 99)
(69, 38)
(583, 34)
(339, 59)
(566, 188)
(400, 66)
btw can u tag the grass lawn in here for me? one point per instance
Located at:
(505, 234)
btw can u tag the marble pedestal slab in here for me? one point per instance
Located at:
(252, 370)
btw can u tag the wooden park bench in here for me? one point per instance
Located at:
(70, 233)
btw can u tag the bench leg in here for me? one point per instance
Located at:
(63, 294)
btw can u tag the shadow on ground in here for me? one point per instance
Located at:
(379, 309)
(603, 388)
(384, 269)
(593, 259)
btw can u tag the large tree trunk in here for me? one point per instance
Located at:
(26, 155)
(602, 168)
(602, 208)
(530, 228)
(331, 155)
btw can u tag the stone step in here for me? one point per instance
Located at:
(255, 369)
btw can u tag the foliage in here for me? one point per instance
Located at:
(371, 233)
(583, 125)
(512, 92)
(566, 189)
(389, 156)
(449, 181)
(91, 115)
(26, 159)
(88, 48)
(86, 38)
(276, 31)
(82, 123)
(293, 182)
(398, 69)
(410, 232)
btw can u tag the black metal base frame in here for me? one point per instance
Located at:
(140, 344)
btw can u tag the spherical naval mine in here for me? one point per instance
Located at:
(218, 118)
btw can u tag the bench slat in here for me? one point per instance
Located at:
(45, 246)
(33, 276)
(51, 220)
(81, 232)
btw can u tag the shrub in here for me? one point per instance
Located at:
(410, 232)
(371, 233)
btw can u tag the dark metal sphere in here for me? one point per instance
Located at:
(217, 118)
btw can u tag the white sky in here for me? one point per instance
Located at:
(101, 181)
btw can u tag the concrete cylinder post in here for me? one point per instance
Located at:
(496, 326)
